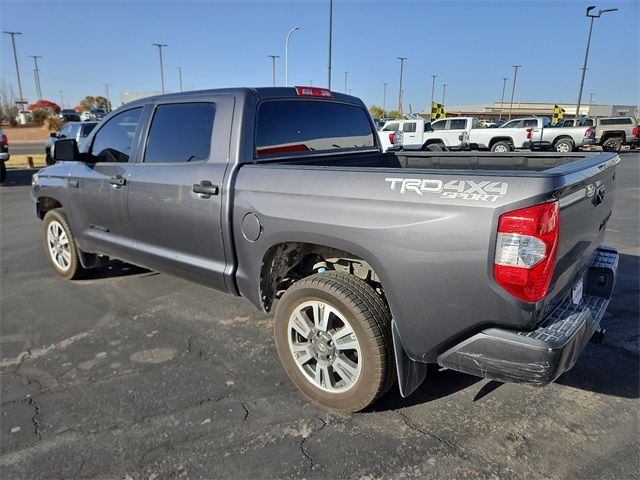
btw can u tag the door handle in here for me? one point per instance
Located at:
(118, 181)
(205, 188)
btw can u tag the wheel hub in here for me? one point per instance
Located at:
(322, 346)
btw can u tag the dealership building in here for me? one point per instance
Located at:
(525, 109)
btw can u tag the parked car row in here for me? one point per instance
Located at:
(76, 130)
(532, 133)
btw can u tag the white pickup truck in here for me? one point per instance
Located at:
(419, 134)
(560, 139)
(514, 134)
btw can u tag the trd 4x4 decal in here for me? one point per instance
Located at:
(464, 189)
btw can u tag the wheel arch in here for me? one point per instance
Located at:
(495, 140)
(433, 141)
(46, 203)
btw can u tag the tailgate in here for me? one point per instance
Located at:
(586, 205)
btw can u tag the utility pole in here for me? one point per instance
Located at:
(286, 56)
(15, 57)
(513, 88)
(106, 91)
(504, 85)
(444, 91)
(384, 100)
(586, 53)
(61, 98)
(590, 102)
(36, 74)
(160, 45)
(273, 67)
(330, 41)
(433, 88)
(345, 81)
(180, 77)
(402, 59)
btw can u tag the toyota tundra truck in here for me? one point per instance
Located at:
(375, 264)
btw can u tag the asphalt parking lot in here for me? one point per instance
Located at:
(134, 374)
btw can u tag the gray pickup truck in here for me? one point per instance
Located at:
(376, 264)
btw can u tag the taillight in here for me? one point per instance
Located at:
(529, 133)
(5, 141)
(526, 251)
(634, 132)
(588, 132)
(313, 92)
(392, 138)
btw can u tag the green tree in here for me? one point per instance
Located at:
(393, 114)
(102, 102)
(376, 111)
(87, 103)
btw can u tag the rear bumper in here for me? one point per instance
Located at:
(542, 355)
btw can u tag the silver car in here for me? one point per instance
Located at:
(76, 130)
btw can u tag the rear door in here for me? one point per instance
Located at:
(175, 193)
(454, 134)
(410, 135)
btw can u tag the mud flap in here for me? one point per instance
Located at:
(410, 374)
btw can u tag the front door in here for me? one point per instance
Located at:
(175, 191)
(98, 188)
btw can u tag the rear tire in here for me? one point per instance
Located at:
(60, 246)
(501, 147)
(612, 144)
(564, 145)
(3, 172)
(355, 333)
(434, 147)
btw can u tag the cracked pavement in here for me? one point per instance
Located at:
(133, 374)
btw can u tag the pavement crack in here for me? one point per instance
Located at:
(246, 411)
(312, 461)
(415, 428)
(34, 418)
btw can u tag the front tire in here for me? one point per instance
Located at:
(60, 245)
(333, 335)
(564, 145)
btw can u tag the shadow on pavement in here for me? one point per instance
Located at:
(20, 177)
(116, 268)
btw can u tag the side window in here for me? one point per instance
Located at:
(530, 123)
(458, 124)
(474, 123)
(65, 132)
(512, 124)
(409, 127)
(391, 127)
(180, 133)
(114, 140)
(86, 129)
(439, 125)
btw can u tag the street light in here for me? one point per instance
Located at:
(36, 74)
(15, 57)
(286, 56)
(402, 59)
(345, 81)
(444, 91)
(513, 88)
(586, 54)
(384, 101)
(160, 45)
(273, 67)
(504, 85)
(180, 77)
(433, 87)
(590, 102)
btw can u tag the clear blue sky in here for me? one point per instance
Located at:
(470, 45)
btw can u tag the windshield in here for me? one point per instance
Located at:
(306, 126)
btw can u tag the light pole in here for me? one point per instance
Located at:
(15, 57)
(160, 45)
(586, 54)
(384, 100)
(106, 90)
(402, 59)
(36, 74)
(504, 85)
(61, 98)
(286, 56)
(345, 81)
(513, 88)
(180, 77)
(330, 39)
(444, 92)
(433, 88)
(590, 102)
(273, 67)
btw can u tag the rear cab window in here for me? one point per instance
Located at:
(616, 121)
(439, 125)
(391, 127)
(303, 127)
(458, 124)
(409, 127)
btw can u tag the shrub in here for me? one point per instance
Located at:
(52, 124)
(38, 116)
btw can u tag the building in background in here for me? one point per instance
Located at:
(126, 97)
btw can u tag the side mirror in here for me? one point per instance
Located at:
(66, 151)
(53, 135)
